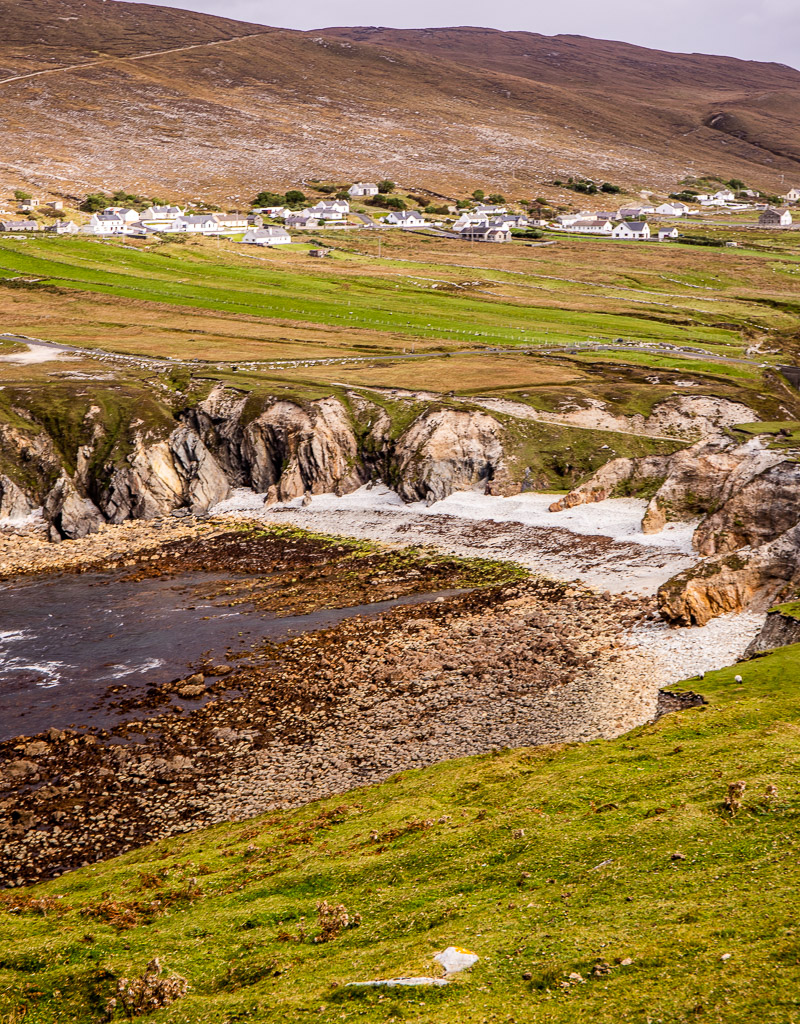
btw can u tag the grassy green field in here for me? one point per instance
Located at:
(616, 861)
(421, 291)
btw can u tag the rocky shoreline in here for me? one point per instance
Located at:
(521, 663)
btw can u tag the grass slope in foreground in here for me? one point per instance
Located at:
(545, 862)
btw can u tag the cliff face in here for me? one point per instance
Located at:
(276, 446)
(746, 500)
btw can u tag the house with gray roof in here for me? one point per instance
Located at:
(18, 225)
(272, 235)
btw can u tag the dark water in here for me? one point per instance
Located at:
(65, 640)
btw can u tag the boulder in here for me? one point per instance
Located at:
(448, 450)
(14, 503)
(69, 514)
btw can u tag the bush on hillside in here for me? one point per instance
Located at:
(385, 187)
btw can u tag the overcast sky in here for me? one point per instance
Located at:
(766, 30)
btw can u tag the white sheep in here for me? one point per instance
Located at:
(737, 679)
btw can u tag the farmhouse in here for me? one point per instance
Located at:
(772, 218)
(160, 216)
(28, 205)
(631, 229)
(362, 188)
(405, 219)
(267, 236)
(335, 209)
(634, 212)
(512, 221)
(667, 234)
(468, 220)
(486, 233)
(594, 226)
(56, 204)
(793, 195)
(673, 208)
(565, 220)
(196, 223)
(303, 219)
(18, 225)
(63, 227)
(128, 215)
(490, 211)
(107, 223)
(231, 222)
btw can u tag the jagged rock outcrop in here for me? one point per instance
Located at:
(14, 503)
(69, 514)
(447, 450)
(746, 498)
(751, 578)
(167, 475)
(290, 449)
(758, 505)
(779, 630)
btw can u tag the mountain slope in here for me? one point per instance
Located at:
(230, 106)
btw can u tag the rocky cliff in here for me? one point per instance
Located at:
(745, 500)
(282, 447)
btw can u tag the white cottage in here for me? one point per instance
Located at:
(667, 234)
(405, 219)
(672, 209)
(267, 236)
(631, 229)
(362, 188)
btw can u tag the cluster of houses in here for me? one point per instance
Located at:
(484, 223)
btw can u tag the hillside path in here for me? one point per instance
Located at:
(135, 56)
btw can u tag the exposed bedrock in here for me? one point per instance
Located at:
(779, 630)
(746, 499)
(278, 446)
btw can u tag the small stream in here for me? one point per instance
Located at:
(64, 640)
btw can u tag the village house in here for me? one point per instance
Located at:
(267, 236)
(303, 219)
(18, 225)
(673, 208)
(107, 223)
(565, 220)
(667, 234)
(490, 211)
(793, 195)
(772, 218)
(334, 209)
(160, 216)
(486, 233)
(277, 212)
(196, 223)
(56, 204)
(63, 227)
(592, 226)
(634, 212)
(231, 222)
(468, 220)
(29, 205)
(724, 195)
(128, 215)
(362, 188)
(512, 221)
(404, 219)
(631, 229)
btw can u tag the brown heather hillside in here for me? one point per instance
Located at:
(241, 106)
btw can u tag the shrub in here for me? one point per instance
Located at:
(148, 993)
(385, 187)
(95, 202)
(479, 194)
(294, 197)
(21, 195)
(608, 187)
